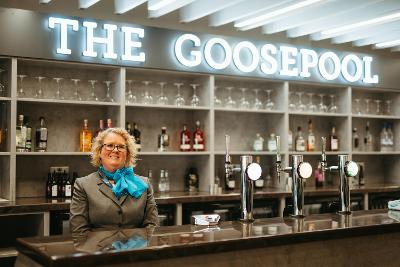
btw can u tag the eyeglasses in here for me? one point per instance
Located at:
(111, 147)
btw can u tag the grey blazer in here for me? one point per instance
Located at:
(94, 205)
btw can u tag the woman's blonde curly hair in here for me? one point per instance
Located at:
(131, 146)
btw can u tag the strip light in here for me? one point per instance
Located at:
(275, 13)
(159, 4)
(369, 22)
(388, 44)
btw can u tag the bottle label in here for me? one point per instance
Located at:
(185, 147)
(300, 145)
(43, 134)
(54, 191)
(258, 145)
(311, 143)
(68, 190)
(334, 144)
(198, 146)
(231, 184)
(271, 146)
(259, 183)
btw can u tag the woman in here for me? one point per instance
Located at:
(113, 196)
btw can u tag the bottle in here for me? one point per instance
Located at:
(20, 134)
(361, 180)
(28, 142)
(356, 140)
(129, 128)
(161, 182)
(85, 138)
(290, 140)
(163, 140)
(54, 185)
(136, 134)
(61, 184)
(384, 138)
(192, 180)
(185, 139)
(48, 186)
(41, 136)
(300, 142)
(390, 137)
(166, 179)
(230, 182)
(99, 130)
(271, 143)
(150, 176)
(310, 137)
(333, 140)
(258, 144)
(68, 187)
(319, 176)
(368, 140)
(259, 183)
(198, 138)
(109, 123)
(74, 177)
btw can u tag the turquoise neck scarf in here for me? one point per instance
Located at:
(125, 182)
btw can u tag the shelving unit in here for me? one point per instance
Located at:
(20, 175)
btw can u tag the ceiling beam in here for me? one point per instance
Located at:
(169, 8)
(202, 8)
(83, 4)
(377, 38)
(123, 6)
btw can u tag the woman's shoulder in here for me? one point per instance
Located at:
(90, 178)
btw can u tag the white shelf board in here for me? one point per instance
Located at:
(167, 107)
(249, 110)
(377, 153)
(318, 114)
(319, 153)
(174, 153)
(261, 153)
(5, 98)
(371, 116)
(5, 153)
(53, 153)
(69, 102)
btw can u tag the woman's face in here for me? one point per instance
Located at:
(113, 153)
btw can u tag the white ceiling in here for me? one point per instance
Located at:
(374, 24)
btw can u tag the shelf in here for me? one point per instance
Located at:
(175, 153)
(318, 114)
(69, 102)
(376, 153)
(5, 153)
(167, 107)
(249, 110)
(53, 153)
(5, 98)
(261, 153)
(319, 153)
(371, 116)
(8, 252)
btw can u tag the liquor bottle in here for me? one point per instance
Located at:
(85, 138)
(368, 140)
(319, 176)
(390, 137)
(136, 135)
(230, 182)
(258, 144)
(68, 187)
(54, 185)
(300, 142)
(20, 134)
(48, 186)
(333, 140)
(356, 140)
(41, 136)
(161, 182)
(61, 184)
(99, 130)
(361, 180)
(109, 123)
(198, 138)
(129, 128)
(290, 140)
(185, 139)
(28, 142)
(192, 180)
(271, 145)
(310, 137)
(163, 140)
(384, 138)
(259, 183)
(166, 178)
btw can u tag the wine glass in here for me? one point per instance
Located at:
(2, 86)
(217, 101)
(76, 95)
(257, 102)
(321, 106)
(357, 106)
(195, 100)
(179, 100)
(244, 103)
(269, 104)
(292, 105)
(21, 91)
(39, 89)
(311, 106)
(130, 97)
(108, 97)
(332, 107)
(162, 99)
(388, 107)
(230, 103)
(367, 101)
(300, 104)
(58, 94)
(93, 96)
(378, 106)
(147, 98)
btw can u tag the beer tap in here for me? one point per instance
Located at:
(346, 168)
(249, 172)
(299, 171)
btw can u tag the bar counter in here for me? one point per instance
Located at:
(40, 204)
(369, 238)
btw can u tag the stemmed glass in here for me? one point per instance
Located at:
(21, 91)
(300, 105)
(147, 98)
(179, 100)
(244, 103)
(292, 105)
(333, 108)
(367, 101)
(195, 100)
(357, 106)
(378, 106)
(39, 90)
(230, 103)
(311, 106)
(388, 107)
(93, 96)
(108, 97)
(130, 97)
(321, 106)
(217, 101)
(76, 95)
(2, 87)
(257, 102)
(162, 99)
(58, 94)
(269, 104)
